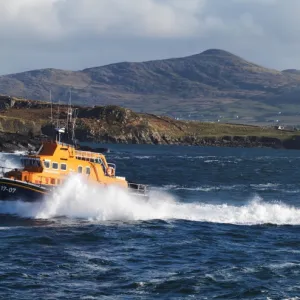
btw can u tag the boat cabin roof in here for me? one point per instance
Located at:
(58, 150)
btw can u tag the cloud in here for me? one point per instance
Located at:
(60, 18)
(75, 34)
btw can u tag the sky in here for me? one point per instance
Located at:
(77, 34)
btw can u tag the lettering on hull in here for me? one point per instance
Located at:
(20, 191)
(4, 188)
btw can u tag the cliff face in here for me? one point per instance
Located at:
(113, 124)
(21, 126)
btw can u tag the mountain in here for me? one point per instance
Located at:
(292, 71)
(211, 83)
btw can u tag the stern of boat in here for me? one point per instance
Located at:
(139, 189)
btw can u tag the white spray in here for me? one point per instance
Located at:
(78, 199)
(10, 160)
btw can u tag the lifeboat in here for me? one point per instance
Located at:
(49, 167)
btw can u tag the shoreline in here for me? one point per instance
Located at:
(11, 142)
(25, 122)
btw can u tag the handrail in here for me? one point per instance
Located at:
(6, 169)
(138, 188)
(41, 177)
(86, 154)
(96, 172)
(2, 167)
(113, 166)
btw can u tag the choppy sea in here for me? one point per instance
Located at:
(219, 224)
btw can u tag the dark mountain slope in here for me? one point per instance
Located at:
(203, 81)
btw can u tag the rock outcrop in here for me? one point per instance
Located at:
(114, 124)
(11, 142)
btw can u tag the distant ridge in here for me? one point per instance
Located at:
(210, 80)
(292, 71)
(217, 52)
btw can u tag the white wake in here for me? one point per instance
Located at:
(78, 199)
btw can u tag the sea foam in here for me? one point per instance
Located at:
(79, 199)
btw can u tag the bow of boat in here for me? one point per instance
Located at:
(11, 189)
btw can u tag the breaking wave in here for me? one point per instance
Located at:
(10, 160)
(78, 199)
(287, 188)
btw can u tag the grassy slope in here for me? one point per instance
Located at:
(100, 121)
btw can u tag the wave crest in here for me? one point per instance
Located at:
(78, 199)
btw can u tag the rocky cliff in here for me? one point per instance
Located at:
(114, 124)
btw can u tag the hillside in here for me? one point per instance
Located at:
(205, 85)
(292, 71)
(115, 124)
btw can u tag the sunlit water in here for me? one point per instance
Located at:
(219, 224)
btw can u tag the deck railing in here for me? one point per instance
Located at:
(139, 189)
(3, 170)
(86, 154)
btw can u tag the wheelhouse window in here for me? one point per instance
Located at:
(63, 167)
(79, 169)
(47, 164)
(30, 162)
(54, 165)
(88, 170)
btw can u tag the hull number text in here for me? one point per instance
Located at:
(4, 188)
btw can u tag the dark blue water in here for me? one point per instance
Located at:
(219, 224)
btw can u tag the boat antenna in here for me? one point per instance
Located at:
(57, 120)
(74, 125)
(65, 129)
(51, 107)
(69, 115)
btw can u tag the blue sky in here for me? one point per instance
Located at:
(76, 34)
